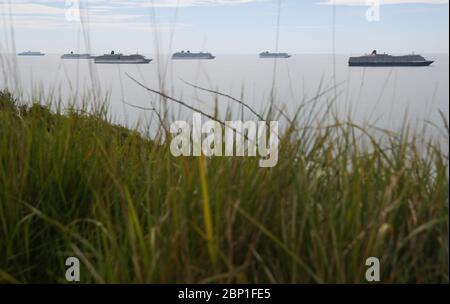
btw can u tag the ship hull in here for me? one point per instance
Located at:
(76, 57)
(193, 58)
(274, 57)
(146, 61)
(31, 55)
(390, 64)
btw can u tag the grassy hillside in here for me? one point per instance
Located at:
(72, 184)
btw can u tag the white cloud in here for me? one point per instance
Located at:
(382, 2)
(181, 3)
(99, 14)
(123, 15)
(133, 3)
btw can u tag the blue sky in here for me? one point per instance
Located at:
(227, 26)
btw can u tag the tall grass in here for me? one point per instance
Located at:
(74, 184)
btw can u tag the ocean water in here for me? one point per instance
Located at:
(381, 96)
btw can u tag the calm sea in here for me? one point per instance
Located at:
(380, 96)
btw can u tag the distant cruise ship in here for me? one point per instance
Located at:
(274, 55)
(76, 56)
(30, 53)
(376, 59)
(121, 59)
(189, 55)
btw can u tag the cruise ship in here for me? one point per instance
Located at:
(114, 58)
(30, 53)
(267, 54)
(189, 55)
(76, 56)
(383, 60)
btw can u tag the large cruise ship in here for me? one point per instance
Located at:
(189, 55)
(267, 54)
(376, 59)
(30, 53)
(71, 55)
(121, 59)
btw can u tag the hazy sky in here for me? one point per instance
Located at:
(227, 26)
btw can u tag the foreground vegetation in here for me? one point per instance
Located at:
(72, 184)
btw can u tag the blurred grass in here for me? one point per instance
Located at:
(74, 184)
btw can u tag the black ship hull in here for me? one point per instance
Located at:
(390, 64)
(146, 61)
(274, 57)
(192, 58)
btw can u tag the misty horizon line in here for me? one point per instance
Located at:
(218, 53)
